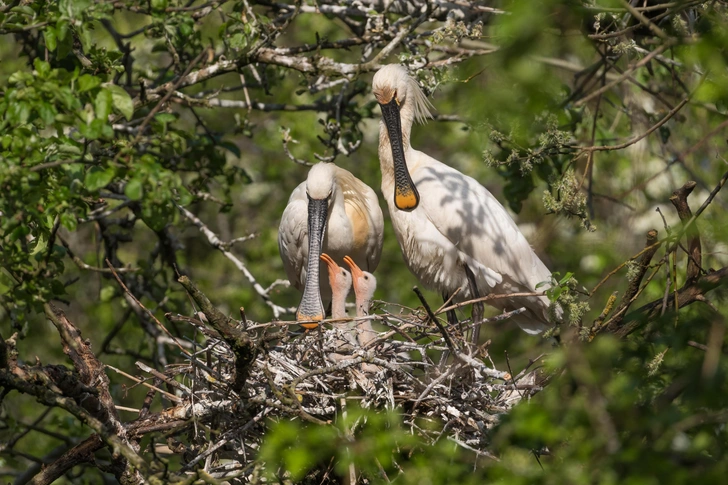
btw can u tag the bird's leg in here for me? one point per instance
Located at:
(452, 318)
(452, 321)
(477, 315)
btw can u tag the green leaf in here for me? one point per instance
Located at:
(18, 232)
(42, 67)
(156, 214)
(122, 101)
(46, 112)
(238, 41)
(554, 293)
(184, 197)
(231, 147)
(68, 221)
(97, 178)
(91, 131)
(62, 29)
(24, 9)
(134, 189)
(107, 293)
(51, 40)
(165, 117)
(65, 46)
(159, 5)
(566, 278)
(87, 82)
(102, 104)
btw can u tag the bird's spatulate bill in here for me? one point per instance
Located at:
(406, 197)
(312, 308)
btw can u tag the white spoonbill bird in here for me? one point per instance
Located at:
(364, 286)
(331, 211)
(446, 222)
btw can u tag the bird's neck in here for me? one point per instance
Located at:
(338, 304)
(338, 235)
(362, 305)
(337, 211)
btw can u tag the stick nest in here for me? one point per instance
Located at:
(313, 375)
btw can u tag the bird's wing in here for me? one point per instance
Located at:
(293, 236)
(362, 208)
(468, 215)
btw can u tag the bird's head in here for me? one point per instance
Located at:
(392, 85)
(339, 278)
(363, 281)
(321, 181)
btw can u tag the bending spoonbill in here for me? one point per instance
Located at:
(331, 211)
(447, 223)
(364, 286)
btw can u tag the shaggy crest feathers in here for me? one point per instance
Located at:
(422, 105)
(394, 77)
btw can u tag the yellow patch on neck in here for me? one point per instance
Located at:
(405, 199)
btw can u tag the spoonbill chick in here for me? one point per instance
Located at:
(364, 286)
(340, 283)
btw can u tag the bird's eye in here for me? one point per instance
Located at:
(343, 273)
(366, 277)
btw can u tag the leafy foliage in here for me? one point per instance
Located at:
(114, 116)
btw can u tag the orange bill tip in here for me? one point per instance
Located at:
(309, 319)
(406, 199)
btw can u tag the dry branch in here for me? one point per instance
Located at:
(240, 342)
(688, 294)
(679, 199)
(651, 246)
(100, 404)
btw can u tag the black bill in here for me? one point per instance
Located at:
(311, 307)
(406, 197)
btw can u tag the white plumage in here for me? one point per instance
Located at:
(447, 220)
(353, 225)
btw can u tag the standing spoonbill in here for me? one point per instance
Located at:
(331, 211)
(448, 224)
(364, 286)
